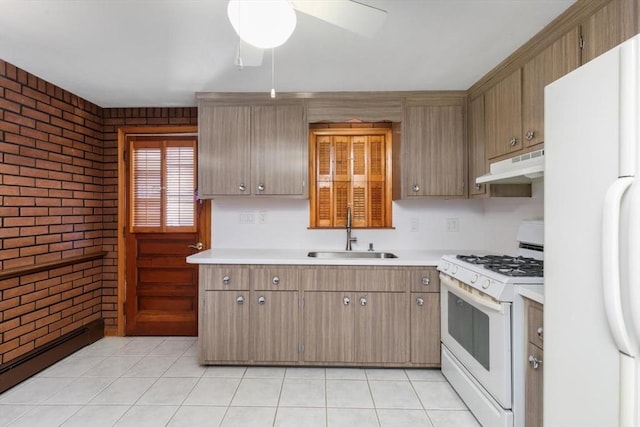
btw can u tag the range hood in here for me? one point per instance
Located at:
(520, 169)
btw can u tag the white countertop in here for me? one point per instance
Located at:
(299, 257)
(533, 292)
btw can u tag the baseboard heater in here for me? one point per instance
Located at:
(29, 364)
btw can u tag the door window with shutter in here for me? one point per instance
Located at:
(163, 177)
(350, 168)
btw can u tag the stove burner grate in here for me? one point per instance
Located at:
(507, 265)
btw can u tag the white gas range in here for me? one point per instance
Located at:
(477, 324)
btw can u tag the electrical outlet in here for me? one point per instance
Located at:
(414, 224)
(247, 218)
(453, 225)
(262, 217)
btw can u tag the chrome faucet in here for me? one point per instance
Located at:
(349, 238)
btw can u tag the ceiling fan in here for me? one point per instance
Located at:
(253, 16)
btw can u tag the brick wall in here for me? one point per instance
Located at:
(58, 199)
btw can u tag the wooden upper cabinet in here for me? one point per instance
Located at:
(224, 150)
(607, 28)
(433, 151)
(477, 160)
(252, 150)
(503, 117)
(278, 154)
(555, 61)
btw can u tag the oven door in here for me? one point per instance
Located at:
(477, 331)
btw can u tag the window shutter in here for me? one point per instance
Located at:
(163, 176)
(342, 158)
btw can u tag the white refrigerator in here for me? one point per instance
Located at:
(592, 243)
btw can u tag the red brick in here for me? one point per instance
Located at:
(31, 211)
(34, 114)
(45, 302)
(33, 231)
(47, 128)
(62, 306)
(8, 303)
(10, 84)
(17, 291)
(33, 153)
(36, 173)
(18, 262)
(34, 250)
(47, 320)
(9, 324)
(21, 330)
(9, 211)
(19, 160)
(43, 200)
(36, 95)
(19, 311)
(18, 242)
(49, 109)
(10, 169)
(34, 315)
(32, 336)
(10, 253)
(8, 345)
(48, 338)
(18, 222)
(19, 119)
(5, 104)
(10, 355)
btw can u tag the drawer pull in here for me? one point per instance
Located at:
(419, 302)
(240, 300)
(539, 332)
(226, 280)
(426, 281)
(346, 301)
(275, 280)
(261, 300)
(534, 362)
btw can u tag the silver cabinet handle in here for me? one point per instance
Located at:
(478, 186)
(534, 362)
(242, 187)
(226, 280)
(240, 300)
(198, 246)
(513, 141)
(275, 280)
(363, 301)
(261, 187)
(426, 281)
(539, 332)
(419, 302)
(415, 188)
(261, 300)
(529, 135)
(346, 300)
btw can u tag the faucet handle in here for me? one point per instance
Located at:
(371, 247)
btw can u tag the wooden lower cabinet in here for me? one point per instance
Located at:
(328, 319)
(319, 316)
(535, 364)
(425, 328)
(274, 326)
(224, 328)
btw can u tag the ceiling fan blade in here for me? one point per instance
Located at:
(248, 55)
(351, 15)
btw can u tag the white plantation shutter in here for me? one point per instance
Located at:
(163, 176)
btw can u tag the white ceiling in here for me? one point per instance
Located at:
(140, 53)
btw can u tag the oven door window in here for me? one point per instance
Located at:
(470, 328)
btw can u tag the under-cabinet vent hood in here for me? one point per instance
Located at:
(520, 169)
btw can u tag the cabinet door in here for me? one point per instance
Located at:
(425, 328)
(549, 65)
(278, 150)
(223, 150)
(224, 278)
(433, 152)
(224, 328)
(533, 388)
(503, 117)
(607, 28)
(477, 158)
(382, 333)
(329, 327)
(274, 326)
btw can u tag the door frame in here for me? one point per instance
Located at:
(204, 220)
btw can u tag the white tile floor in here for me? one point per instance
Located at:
(154, 381)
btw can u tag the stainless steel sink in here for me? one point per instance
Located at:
(350, 255)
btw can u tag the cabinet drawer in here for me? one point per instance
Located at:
(224, 278)
(424, 280)
(535, 330)
(273, 279)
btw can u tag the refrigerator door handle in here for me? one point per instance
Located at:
(611, 264)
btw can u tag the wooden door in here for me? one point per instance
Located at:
(224, 150)
(329, 327)
(549, 65)
(278, 150)
(503, 115)
(225, 332)
(382, 327)
(164, 226)
(425, 328)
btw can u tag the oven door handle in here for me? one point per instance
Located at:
(486, 302)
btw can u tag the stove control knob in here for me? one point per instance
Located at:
(446, 266)
(486, 283)
(474, 278)
(454, 270)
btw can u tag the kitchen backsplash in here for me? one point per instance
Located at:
(489, 224)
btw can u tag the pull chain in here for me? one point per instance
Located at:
(273, 73)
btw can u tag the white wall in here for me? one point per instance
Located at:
(488, 224)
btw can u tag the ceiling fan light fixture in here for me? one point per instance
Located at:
(262, 23)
